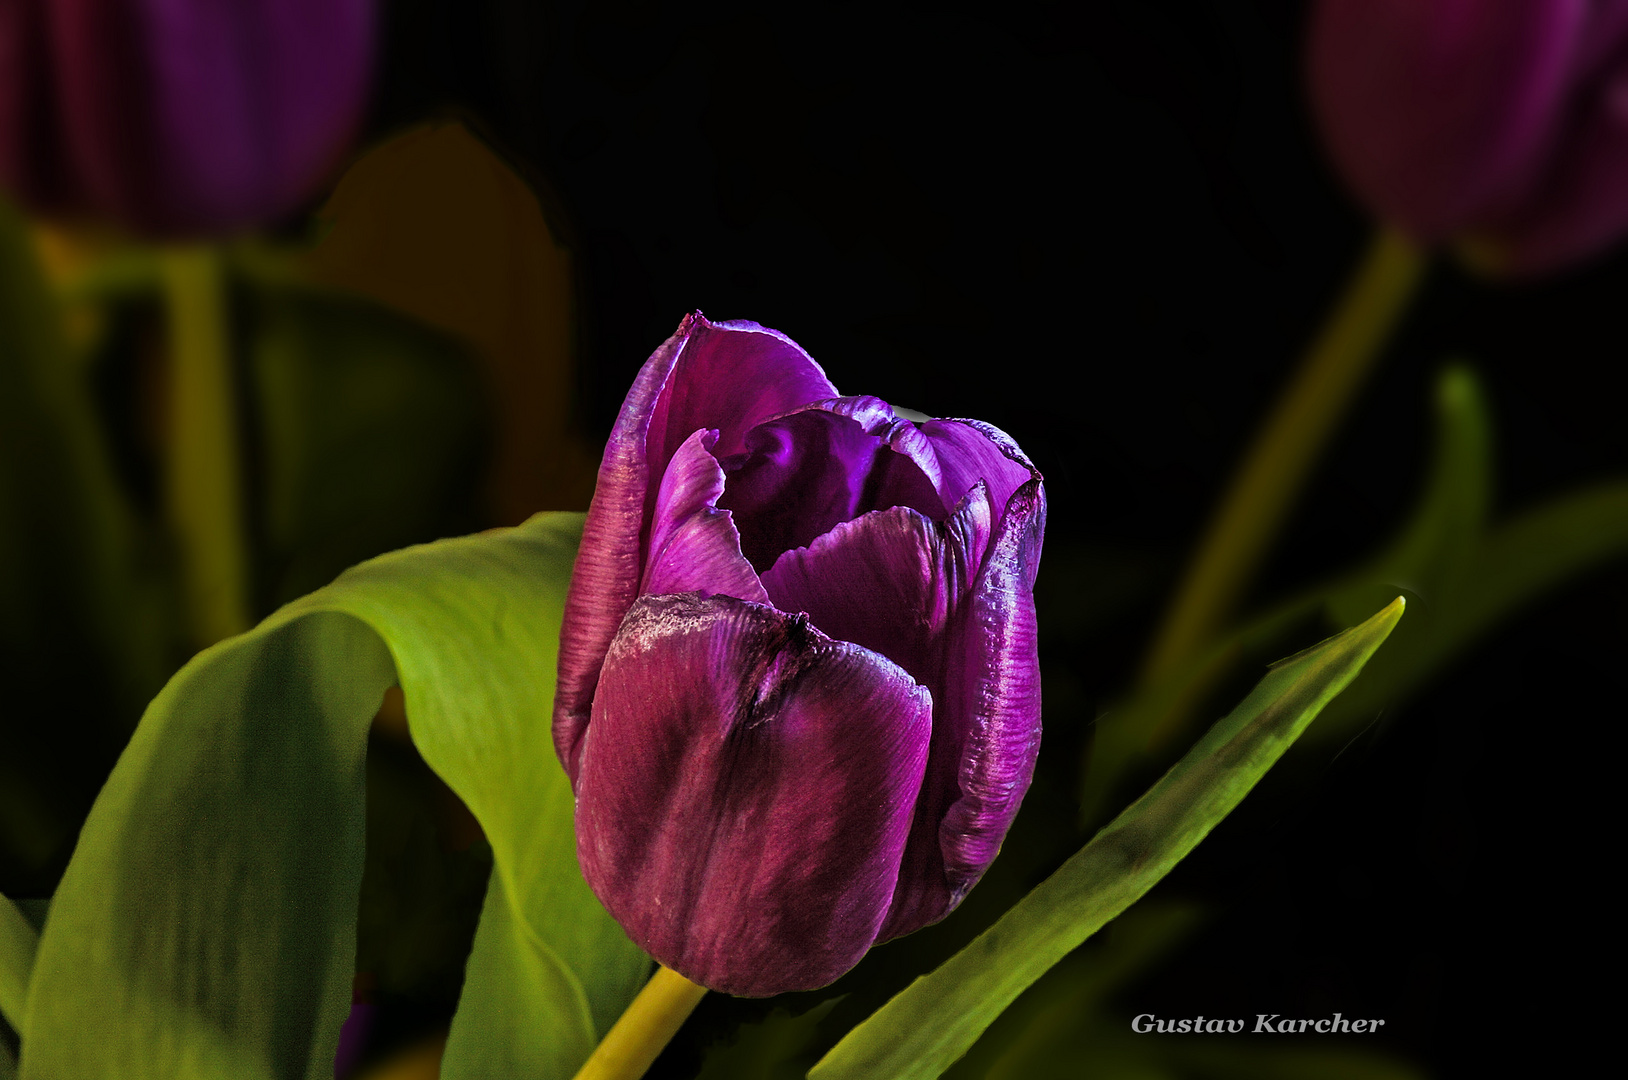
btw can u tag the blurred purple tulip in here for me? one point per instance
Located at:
(798, 698)
(178, 117)
(1504, 122)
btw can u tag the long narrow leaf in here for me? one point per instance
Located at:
(18, 943)
(932, 1022)
(205, 926)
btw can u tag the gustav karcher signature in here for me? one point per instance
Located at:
(1272, 1022)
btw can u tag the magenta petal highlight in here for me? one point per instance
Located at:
(968, 451)
(746, 791)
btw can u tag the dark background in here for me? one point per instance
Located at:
(1109, 229)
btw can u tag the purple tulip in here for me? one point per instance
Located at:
(1500, 121)
(798, 694)
(178, 116)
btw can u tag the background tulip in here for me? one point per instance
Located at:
(1500, 120)
(178, 117)
(799, 699)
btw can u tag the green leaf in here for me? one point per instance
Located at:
(205, 926)
(922, 1031)
(78, 606)
(18, 943)
(1045, 1023)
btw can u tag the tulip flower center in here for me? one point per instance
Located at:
(804, 474)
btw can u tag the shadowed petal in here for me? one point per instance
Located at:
(807, 472)
(746, 792)
(892, 581)
(986, 728)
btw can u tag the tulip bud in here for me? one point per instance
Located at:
(1495, 122)
(799, 699)
(180, 117)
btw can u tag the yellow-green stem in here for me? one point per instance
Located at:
(635, 1040)
(204, 470)
(1284, 451)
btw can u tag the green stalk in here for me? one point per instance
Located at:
(1285, 450)
(204, 467)
(637, 1038)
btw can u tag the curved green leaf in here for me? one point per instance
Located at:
(922, 1031)
(18, 943)
(205, 926)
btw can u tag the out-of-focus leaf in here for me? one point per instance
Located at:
(436, 225)
(81, 598)
(18, 943)
(423, 884)
(205, 926)
(372, 430)
(1138, 727)
(1433, 551)
(1513, 565)
(775, 1049)
(924, 1029)
(421, 1061)
(1464, 578)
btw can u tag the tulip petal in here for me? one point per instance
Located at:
(892, 581)
(731, 376)
(693, 545)
(727, 377)
(610, 561)
(746, 791)
(1440, 113)
(805, 473)
(195, 117)
(1581, 206)
(968, 451)
(986, 728)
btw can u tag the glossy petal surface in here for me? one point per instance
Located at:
(798, 688)
(746, 791)
(693, 545)
(723, 377)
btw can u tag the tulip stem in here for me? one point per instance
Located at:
(1284, 452)
(203, 468)
(635, 1040)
